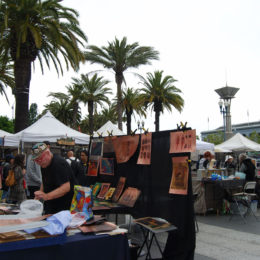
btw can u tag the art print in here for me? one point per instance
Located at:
(96, 188)
(119, 189)
(125, 147)
(93, 167)
(180, 173)
(145, 149)
(110, 193)
(183, 141)
(107, 166)
(103, 190)
(129, 197)
(96, 148)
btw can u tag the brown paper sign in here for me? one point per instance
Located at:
(183, 142)
(145, 149)
(125, 147)
(180, 173)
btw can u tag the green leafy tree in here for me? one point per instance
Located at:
(119, 57)
(33, 113)
(254, 136)
(42, 30)
(159, 93)
(6, 124)
(94, 93)
(217, 138)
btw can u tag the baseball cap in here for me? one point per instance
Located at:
(38, 149)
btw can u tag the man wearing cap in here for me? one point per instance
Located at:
(57, 180)
(230, 165)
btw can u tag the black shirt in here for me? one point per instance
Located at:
(53, 176)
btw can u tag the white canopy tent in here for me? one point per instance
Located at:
(107, 128)
(51, 129)
(201, 145)
(239, 143)
(8, 140)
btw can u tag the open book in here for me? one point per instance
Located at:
(156, 225)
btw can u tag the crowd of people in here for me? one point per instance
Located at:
(44, 176)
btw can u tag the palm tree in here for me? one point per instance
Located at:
(131, 103)
(6, 75)
(120, 56)
(38, 29)
(94, 93)
(61, 108)
(160, 93)
(75, 92)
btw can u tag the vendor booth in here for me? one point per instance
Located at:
(151, 177)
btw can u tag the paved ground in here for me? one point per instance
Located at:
(219, 238)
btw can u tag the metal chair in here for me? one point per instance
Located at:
(243, 200)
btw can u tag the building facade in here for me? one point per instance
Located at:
(245, 129)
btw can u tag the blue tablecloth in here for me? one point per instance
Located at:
(98, 247)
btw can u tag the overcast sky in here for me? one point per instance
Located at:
(203, 44)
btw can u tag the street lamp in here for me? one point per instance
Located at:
(224, 107)
(140, 126)
(226, 94)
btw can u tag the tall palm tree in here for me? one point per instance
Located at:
(6, 75)
(120, 56)
(94, 93)
(38, 29)
(159, 93)
(131, 103)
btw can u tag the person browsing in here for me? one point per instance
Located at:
(57, 187)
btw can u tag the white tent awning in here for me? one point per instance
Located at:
(49, 128)
(239, 143)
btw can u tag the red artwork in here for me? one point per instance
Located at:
(180, 173)
(183, 142)
(145, 149)
(93, 167)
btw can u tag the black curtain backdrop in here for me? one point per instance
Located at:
(155, 201)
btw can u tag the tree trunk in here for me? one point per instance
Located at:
(90, 116)
(22, 73)
(157, 120)
(119, 81)
(75, 112)
(128, 122)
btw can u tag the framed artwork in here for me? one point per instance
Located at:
(119, 189)
(96, 148)
(103, 190)
(110, 193)
(93, 167)
(96, 188)
(180, 173)
(107, 166)
(129, 197)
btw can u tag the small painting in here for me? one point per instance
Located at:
(107, 166)
(110, 193)
(103, 190)
(119, 189)
(96, 188)
(96, 148)
(129, 197)
(93, 167)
